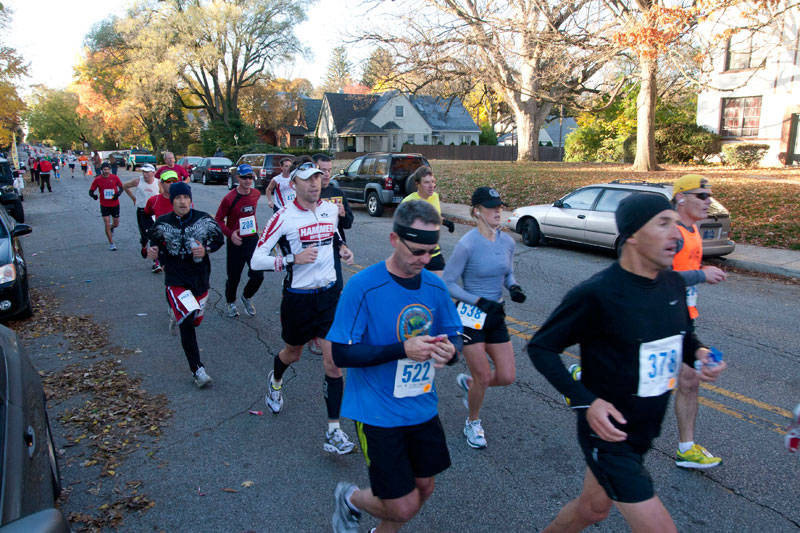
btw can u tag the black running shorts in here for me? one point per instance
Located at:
(618, 466)
(109, 211)
(494, 331)
(307, 316)
(397, 456)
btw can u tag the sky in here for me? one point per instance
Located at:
(53, 45)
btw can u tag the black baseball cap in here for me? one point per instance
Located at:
(487, 197)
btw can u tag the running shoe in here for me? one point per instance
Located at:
(314, 346)
(793, 435)
(201, 379)
(474, 433)
(337, 441)
(249, 308)
(231, 310)
(274, 398)
(463, 382)
(144, 252)
(345, 518)
(112, 247)
(157, 267)
(173, 324)
(574, 371)
(697, 457)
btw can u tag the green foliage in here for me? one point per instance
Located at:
(195, 149)
(488, 136)
(298, 151)
(339, 68)
(379, 68)
(219, 134)
(744, 154)
(685, 142)
(53, 116)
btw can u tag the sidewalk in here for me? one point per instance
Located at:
(747, 257)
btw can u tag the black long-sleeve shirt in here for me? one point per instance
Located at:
(616, 317)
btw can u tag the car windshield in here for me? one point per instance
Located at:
(193, 160)
(404, 166)
(219, 161)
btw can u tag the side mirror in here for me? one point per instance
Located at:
(20, 230)
(558, 203)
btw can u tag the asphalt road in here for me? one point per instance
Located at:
(532, 465)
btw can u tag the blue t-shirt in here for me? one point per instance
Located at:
(376, 310)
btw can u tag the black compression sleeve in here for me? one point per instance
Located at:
(549, 364)
(363, 355)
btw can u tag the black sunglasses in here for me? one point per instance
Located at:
(416, 252)
(701, 195)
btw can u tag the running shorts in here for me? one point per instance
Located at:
(494, 331)
(72, 166)
(396, 456)
(307, 316)
(618, 466)
(109, 211)
(182, 302)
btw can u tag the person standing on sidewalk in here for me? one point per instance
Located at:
(426, 190)
(169, 164)
(45, 168)
(691, 196)
(182, 240)
(306, 229)
(236, 216)
(140, 190)
(395, 325)
(97, 161)
(110, 188)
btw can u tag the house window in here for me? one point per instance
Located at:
(410, 139)
(394, 141)
(741, 116)
(743, 52)
(300, 142)
(398, 111)
(424, 139)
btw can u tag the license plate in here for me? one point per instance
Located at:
(397, 199)
(709, 234)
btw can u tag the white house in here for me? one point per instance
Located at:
(755, 94)
(383, 122)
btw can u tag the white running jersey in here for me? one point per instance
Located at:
(284, 192)
(144, 191)
(299, 228)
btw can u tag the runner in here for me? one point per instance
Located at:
(71, 160)
(306, 229)
(395, 324)
(45, 168)
(236, 216)
(792, 439)
(140, 190)
(97, 161)
(279, 191)
(633, 331)
(160, 204)
(35, 171)
(691, 196)
(426, 190)
(110, 188)
(182, 241)
(56, 167)
(169, 160)
(484, 261)
(84, 161)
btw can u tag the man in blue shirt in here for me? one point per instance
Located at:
(395, 324)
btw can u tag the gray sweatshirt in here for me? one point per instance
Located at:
(484, 267)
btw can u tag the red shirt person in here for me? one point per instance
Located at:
(110, 188)
(160, 204)
(169, 159)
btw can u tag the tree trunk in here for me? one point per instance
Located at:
(646, 117)
(529, 118)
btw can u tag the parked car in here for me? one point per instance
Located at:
(15, 298)
(9, 197)
(265, 167)
(189, 162)
(119, 157)
(211, 169)
(379, 179)
(139, 157)
(29, 475)
(586, 216)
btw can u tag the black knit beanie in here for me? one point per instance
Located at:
(636, 210)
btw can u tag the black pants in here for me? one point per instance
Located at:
(237, 257)
(44, 178)
(145, 223)
(189, 343)
(34, 175)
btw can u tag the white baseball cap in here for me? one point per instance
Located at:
(148, 168)
(305, 171)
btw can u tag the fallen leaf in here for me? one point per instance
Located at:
(226, 489)
(247, 484)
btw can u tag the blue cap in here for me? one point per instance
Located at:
(244, 170)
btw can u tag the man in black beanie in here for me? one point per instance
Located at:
(633, 328)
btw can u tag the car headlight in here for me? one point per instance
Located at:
(8, 273)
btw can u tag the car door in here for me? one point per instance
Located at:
(601, 223)
(347, 180)
(566, 220)
(365, 174)
(197, 173)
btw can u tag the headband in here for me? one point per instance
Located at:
(419, 236)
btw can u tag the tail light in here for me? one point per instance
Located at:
(387, 183)
(263, 172)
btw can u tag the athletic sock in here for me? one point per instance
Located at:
(684, 447)
(347, 499)
(332, 426)
(333, 390)
(279, 368)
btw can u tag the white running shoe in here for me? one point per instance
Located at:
(249, 308)
(201, 379)
(231, 310)
(337, 441)
(112, 247)
(345, 519)
(474, 433)
(274, 398)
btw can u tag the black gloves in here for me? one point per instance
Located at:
(516, 294)
(93, 195)
(489, 306)
(449, 225)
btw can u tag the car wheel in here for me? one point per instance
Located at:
(374, 205)
(18, 212)
(55, 473)
(27, 307)
(531, 234)
(205, 178)
(410, 186)
(230, 182)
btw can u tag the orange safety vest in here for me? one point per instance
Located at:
(689, 258)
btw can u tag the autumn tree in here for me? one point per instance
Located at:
(378, 68)
(339, 73)
(533, 55)
(53, 115)
(274, 103)
(12, 68)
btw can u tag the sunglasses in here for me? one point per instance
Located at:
(305, 166)
(247, 177)
(701, 195)
(416, 252)
(170, 181)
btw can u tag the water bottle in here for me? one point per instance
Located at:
(715, 358)
(196, 244)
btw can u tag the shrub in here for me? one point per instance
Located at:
(488, 136)
(744, 154)
(685, 142)
(195, 149)
(220, 134)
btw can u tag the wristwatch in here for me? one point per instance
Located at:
(289, 259)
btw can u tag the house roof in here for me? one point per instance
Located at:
(444, 114)
(568, 125)
(348, 107)
(391, 125)
(359, 126)
(311, 107)
(296, 130)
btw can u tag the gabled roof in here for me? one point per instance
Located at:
(348, 107)
(391, 125)
(444, 114)
(359, 126)
(311, 107)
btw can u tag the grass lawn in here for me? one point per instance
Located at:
(764, 203)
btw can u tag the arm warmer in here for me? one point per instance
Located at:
(364, 355)
(692, 277)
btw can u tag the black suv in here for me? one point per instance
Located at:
(8, 195)
(379, 179)
(265, 167)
